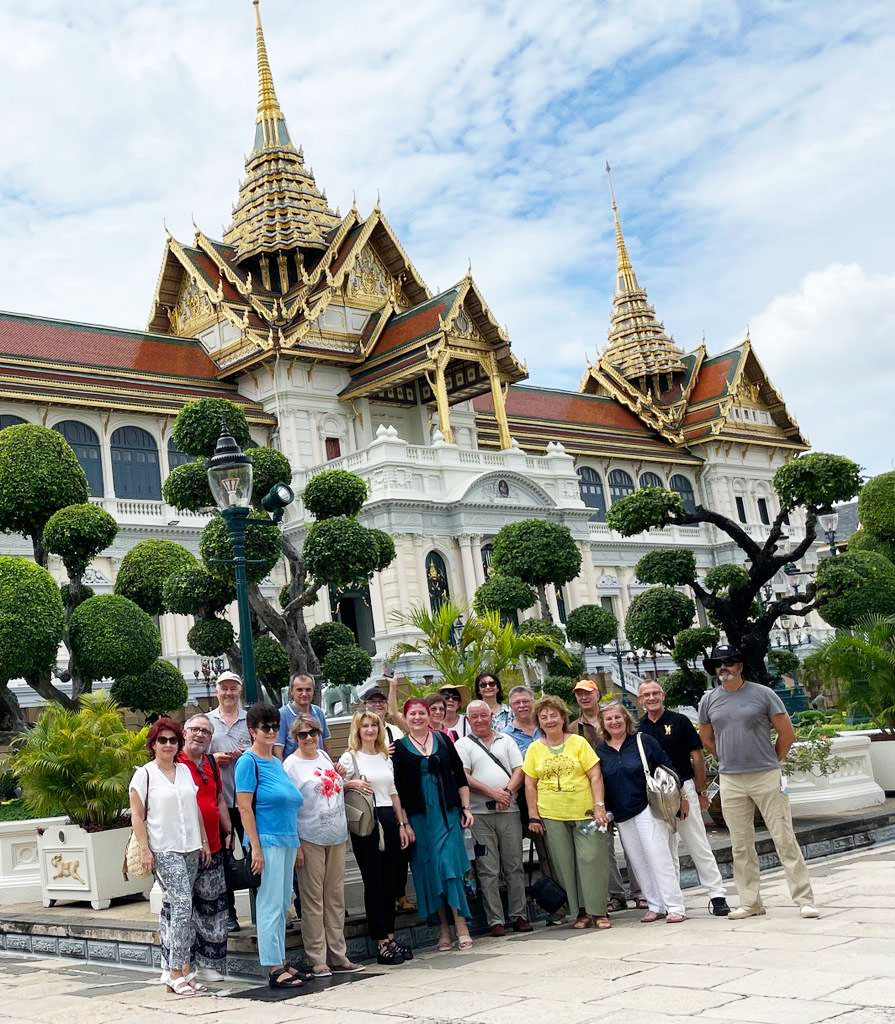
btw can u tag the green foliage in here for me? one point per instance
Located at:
(861, 540)
(263, 548)
(783, 662)
(146, 568)
(650, 508)
(876, 507)
(198, 426)
(684, 687)
(111, 636)
(695, 642)
(334, 493)
(195, 591)
(862, 658)
(570, 665)
(39, 475)
(80, 762)
(722, 579)
(656, 615)
(186, 487)
(74, 598)
(537, 552)
(272, 662)
(77, 533)
(385, 549)
(341, 552)
(548, 636)
(31, 617)
(817, 480)
(854, 585)
(210, 638)
(673, 567)
(562, 686)
(504, 594)
(269, 467)
(346, 666)
(283, 595)
(327, 636)
(9, 781)
(160, 689)
(591, 626)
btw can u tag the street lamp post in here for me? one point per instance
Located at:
(230, 475)
(829, 522)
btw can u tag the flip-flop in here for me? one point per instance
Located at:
(321, 971)
(602, 923)
(582, 923)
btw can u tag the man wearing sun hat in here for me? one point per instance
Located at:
(735, 722)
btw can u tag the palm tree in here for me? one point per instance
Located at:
(460, 646)
(863, 658)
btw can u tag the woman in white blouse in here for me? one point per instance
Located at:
(166, 821)
(378, 855)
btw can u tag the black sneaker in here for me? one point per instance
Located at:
(232, 924)
(718, 906)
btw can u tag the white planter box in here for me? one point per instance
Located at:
(849, 789)
(85, 866)
(19, 863)
(882, 757)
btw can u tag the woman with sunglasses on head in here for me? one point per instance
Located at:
(434, 793)
(488, 689)
(269, 805)
(321, 859)
(455, 724)
(171, 834)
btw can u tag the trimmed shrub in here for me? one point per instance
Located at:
(271, 662)
(783, 662)
(541, 627)
(210, 638)
(31, 617)
(145, 569)
(77, 533)
(562, 686)
(591, 626)
(327, 636)
(75, 597)
(854, 585)
(198, 426)
(263, 548)
(341, 552)
(269, 467)
(656, 615)
(195, 591)
(876, 507)
(861, 540)
(650, 508)
(186, 487)
(557, 667)
(818, 480)
(536, 552)
(334, 492)
(722, 579)
(160, 689)
(504, 594)
(347, 666)
(385, 549)
(111, 636)
(674, 567)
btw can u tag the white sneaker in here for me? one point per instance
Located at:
(209, 974)
(741, 913)
(808, 910)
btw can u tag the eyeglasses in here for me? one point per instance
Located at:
(167, 739)
(267, 727)
(452, 696)
(197, 729)
(306, 734)
(487, 683)
(728, 662)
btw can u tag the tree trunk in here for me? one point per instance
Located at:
(542, 602)
(11, 718)
(42, 685)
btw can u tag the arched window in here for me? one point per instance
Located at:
(620, 485)
(175, 456)
(592, 494)
(8, 420)
(85, 445)
(651, 480)
(135, 469)
(682, 486)
(437, 580)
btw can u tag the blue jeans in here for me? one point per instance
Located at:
(274, 897)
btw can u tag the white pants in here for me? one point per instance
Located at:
(692, 830)
(645, 840)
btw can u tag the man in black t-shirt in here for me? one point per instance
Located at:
(681, 742)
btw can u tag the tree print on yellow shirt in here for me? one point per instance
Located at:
(557, 768)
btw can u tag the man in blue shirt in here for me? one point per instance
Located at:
(523, 729)
(301, 690)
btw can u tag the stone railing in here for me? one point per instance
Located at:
(849, 788)
(151, 513)
(689, 535)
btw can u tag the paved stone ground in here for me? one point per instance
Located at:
(776, 969)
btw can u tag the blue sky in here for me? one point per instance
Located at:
(752, 143)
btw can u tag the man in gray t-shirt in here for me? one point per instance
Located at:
(735, 722)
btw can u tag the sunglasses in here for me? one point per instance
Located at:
(489, 683)
(306, 734)
(267, 727)
(167, 740)
(728, 662)
(451, 696)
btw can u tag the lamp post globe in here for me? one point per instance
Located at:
(229, 473)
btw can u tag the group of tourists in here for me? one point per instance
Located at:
(448, 788)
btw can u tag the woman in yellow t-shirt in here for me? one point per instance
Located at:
(564, 792)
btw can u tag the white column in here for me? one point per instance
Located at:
(105, 450)
(469, 580)
(590, 577)
(477, 566)
(316, 443)
(551, 602)
(376, 604)
(420, 558)
(402, 578)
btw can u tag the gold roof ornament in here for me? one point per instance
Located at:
(279, 205)
(638, 346)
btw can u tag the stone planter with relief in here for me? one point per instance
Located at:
(19, 861)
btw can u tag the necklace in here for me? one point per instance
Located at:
(422, 747)
(556, 750)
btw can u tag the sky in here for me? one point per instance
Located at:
(752, 146)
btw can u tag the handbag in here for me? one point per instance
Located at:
(237, 866)
(663, 790)
(133, 860)
(546, 891)
(360, 810)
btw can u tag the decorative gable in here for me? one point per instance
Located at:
(192, 311)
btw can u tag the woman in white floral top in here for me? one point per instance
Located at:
(488, 689)
(321, 858)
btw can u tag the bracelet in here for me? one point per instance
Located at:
(536, 820)
(599, 803)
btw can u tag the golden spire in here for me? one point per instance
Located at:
(638, 346)
(270, 123)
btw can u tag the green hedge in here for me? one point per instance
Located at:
(334, 492)
(161, 688)
(77, 533)
(111, 636)
(31, 617)
(145, 569)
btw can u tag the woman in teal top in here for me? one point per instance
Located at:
(269, 804)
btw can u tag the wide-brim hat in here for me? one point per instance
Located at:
(461, 688)
(723, 652)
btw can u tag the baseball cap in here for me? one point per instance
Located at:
(229, 677)
(374, 694)
(585, 684)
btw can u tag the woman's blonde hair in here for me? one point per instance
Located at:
(630, 727)
(549, 700)
(303, 722)
(354, 740)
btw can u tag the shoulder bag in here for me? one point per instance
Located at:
(237, 866)
(360, 809)
(521, 801)
(663, 789)
(133, 862)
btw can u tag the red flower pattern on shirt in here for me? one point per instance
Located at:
(330, 782)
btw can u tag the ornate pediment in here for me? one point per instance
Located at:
(192, 311)
(507, 490)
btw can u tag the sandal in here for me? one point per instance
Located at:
(602, 923)
(674, 918)
(284, 977)
(464, 942)
(583, 922)
(616, 904)
(641, 904)
(193, 980)
(445, 942)
(181, 987)
(321, 971)
(650, 916)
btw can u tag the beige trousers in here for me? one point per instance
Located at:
(740, 795)
(321, 885)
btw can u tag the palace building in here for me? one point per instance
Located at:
(322, 328)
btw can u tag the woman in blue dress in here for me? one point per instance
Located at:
(434, 793)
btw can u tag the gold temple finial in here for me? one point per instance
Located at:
(625, 278)
(270, 123)
(469, 267)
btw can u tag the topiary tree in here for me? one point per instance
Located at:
(210, 638)
(504, 594)
(656, 616)
(876, 507)
(783, 662)
(110, 636)
(813, 483)
(689, 682)
(591, 626)
(347, 666)
(562, 686)
(77, 533)
(537, 552)
(862, 540)
(272, 665)
(198, 426)
(326, 636)
(158, 690)
(145, 569)
(853, 585)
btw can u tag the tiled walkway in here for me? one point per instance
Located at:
(776, 969)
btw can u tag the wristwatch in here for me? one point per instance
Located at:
(599, 803)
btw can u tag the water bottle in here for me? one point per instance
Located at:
(469, 844)
(589, 828)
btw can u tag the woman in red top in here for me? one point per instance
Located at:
(210, 889)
